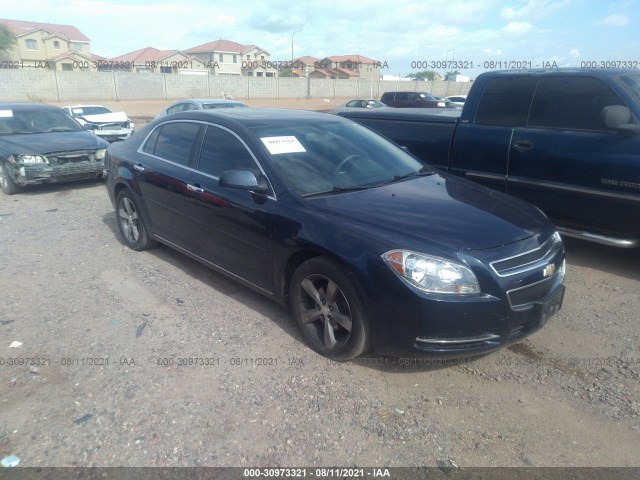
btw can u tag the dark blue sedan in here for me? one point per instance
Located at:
(42, 144)
(369, 247)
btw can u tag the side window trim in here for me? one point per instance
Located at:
(196, 151)
(272, 193)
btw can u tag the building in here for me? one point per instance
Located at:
(152, 60)
(347, 66)
(225, 57)
(50, 46)
(302, 66)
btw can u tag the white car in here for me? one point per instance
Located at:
(457, 100)
(103, 122)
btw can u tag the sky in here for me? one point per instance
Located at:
(404, 36)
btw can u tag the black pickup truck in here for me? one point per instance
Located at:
(566, 140)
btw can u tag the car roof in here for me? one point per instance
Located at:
(83, 105)
(540, 72)
(254, 116)
(26, 106)
(209, 100)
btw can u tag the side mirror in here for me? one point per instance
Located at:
(243, 180)
(618, 117)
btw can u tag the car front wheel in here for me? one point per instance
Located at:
(6, 183)
(131, 223)
(329, 310)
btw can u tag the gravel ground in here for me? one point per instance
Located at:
(111, 335)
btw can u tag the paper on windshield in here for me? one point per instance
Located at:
(287, 144)
(6, 113)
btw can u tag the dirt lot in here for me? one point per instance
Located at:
(105, 374)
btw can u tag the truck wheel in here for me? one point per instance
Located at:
(328, 309)
(8, 185)
(131, 224)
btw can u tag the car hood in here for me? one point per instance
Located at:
(106, 117)
(43, 143)
(438, 210)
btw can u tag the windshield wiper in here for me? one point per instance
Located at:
(420, 173)
(338, 189)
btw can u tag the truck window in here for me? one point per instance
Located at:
(506, 101)
(573, 103)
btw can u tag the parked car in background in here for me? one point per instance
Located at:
(360, 103)
(448, 104)
(457, 100)
(42, 144)
(368, 246)
(111, 126)
(200, 104)
(411, 100)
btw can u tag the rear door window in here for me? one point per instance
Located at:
(506, 101)
(174, 142)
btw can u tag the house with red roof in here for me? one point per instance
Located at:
(50, 46)
(226, 57)
(347, 66)
(152, 60)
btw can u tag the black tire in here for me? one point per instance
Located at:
(6, 183)
(131, 224)
(328, 309)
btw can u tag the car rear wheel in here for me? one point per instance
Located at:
(328, 309)
(131, 223)
(8, 186)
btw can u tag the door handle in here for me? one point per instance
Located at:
(195, 188)
(523, 145)
(138, 168)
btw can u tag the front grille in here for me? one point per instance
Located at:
(527, 260)
(524, 296)
(71, 157)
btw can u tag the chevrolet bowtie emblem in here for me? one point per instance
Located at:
(549, 270)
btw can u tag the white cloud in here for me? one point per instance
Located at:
(517, 28)
(574, 53)
(534, 9)
(615, 20)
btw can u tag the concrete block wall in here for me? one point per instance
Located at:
(28, 86)
(186, 86)
(46, 85)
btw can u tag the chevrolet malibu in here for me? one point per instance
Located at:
(368, 247)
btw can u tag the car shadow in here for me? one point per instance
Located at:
(218, 281)
(624, 262)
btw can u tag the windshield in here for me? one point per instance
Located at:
(324, 157)
(36, 121)
(77, 112)
(632, 83)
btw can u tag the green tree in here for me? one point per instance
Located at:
(451, 75)
(7, 39)
(424, 75)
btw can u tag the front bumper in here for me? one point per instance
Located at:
(114, 135)
(33, 174)
(409, 322)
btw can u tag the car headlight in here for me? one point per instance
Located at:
(432, 274)
(31, 159)
(100, 153)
